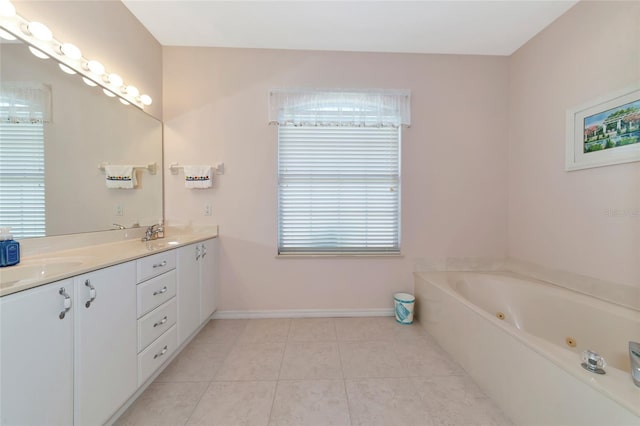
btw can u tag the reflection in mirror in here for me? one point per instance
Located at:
(55, 133)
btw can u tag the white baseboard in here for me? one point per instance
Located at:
(305, 313)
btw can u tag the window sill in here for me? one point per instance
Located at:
(338, 255)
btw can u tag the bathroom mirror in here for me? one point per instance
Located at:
(85, 129)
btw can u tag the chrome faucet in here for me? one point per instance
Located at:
(152, 232)
(634, 355)
(118, 226)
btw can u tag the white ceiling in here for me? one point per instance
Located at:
(455, 27)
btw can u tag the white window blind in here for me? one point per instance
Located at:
(339, 189)
(22, 198)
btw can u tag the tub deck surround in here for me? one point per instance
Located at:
(523, 361)
(618, 293)
(624, 295)
(50, 266)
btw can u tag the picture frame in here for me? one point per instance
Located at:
(604, 132)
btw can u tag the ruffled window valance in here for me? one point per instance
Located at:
(25, 102)
(359, 108)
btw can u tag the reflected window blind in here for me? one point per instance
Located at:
(22, 202)
(338, 190)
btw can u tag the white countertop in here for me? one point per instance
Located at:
(34, 271)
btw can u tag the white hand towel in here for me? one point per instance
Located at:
(198, 176)
(120, 176)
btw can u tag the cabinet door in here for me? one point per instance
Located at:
(188, 290)
(106, 343)
(208, 279)
(36, 357)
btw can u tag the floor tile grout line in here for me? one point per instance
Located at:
(273, 401)
(344, 383)
(233, 345)
(284, 350)
(197, 403)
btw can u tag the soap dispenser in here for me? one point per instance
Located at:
(9, 249)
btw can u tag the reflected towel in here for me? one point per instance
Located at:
(198, 176)
(120, 176)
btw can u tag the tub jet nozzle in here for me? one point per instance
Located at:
(593, 362)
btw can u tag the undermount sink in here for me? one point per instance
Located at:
(161, 244)
(36, 270)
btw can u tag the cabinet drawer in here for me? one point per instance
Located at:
(156, 354)
(152, 266)
(155, 292)
(156, 322)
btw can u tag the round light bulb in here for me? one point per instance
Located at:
(108, 93)
(38, 53)
(40, 31)
(66, 69)
(89, 82)
(95, 67)
(124, 102)
(7, 9)
(7, 35)
(115, 79)
(132, 90)
(145, 99)
(71, 51)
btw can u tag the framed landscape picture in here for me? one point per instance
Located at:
(604, 132)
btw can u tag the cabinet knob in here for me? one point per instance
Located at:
(157, 292)
(92, 293)
(162, 321)
(67, 302)
(160, 265)
(162, 352)
(204, 251)
(197, 252)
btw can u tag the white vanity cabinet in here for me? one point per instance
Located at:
(77, 368)
(157, 312)
(105, 346)
(36, 356)
(208, 279)
(188, 290)
(75, 351)
(197, 284)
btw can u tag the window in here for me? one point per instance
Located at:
(338, 176)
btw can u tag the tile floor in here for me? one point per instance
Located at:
(313, 371)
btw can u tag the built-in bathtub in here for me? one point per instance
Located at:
(515, 336)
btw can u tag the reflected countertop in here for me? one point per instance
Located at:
(34, 271)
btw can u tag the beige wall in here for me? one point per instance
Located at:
(558, 219)
(453, 164)
(105, 30)
(483, 164)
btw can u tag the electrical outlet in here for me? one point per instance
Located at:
(119, 210)
(208, 210)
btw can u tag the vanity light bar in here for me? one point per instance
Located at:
(41, 39)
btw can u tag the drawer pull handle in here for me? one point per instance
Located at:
(160, 265)
(162, 352)
(92, 293)
(157, 292)
(67, 302)
(162, 321)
